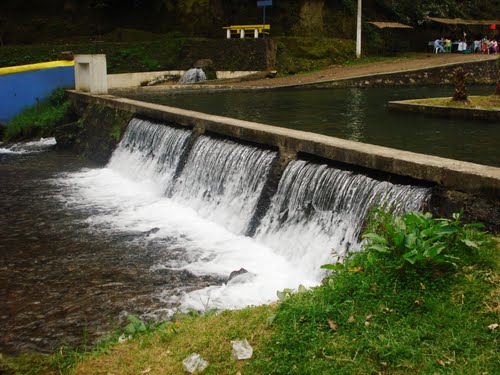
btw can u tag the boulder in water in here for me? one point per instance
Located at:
(151, 231)
(233, 274)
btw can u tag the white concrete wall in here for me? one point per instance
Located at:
(91, 74)
(236, 74)
(126, 80)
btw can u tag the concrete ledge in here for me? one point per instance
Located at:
(128, 80)
(451, 174)
(447, 112)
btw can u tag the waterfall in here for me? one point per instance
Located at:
(149, 151)
(318, 210)
(201, 195)
(223, 180)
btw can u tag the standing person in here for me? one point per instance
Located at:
(494, 47)
(484, 45)
(477, 45)
(447, 45)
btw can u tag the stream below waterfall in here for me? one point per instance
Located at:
(83, 246)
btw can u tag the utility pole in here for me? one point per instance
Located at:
(358, 30)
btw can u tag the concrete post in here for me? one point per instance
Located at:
(228, 34)
(242, 33)
(91, 74)
(358, 29)
(256, 33)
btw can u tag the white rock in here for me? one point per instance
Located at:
(194, 363)
(242, 349)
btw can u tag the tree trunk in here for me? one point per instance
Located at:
(460, 94)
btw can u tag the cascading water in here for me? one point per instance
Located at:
(149, 151)
(200, 216)
(318, 210)
(223, 180)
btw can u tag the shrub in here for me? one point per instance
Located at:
(420, 241)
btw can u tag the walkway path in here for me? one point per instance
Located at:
(422, 61)
(333, 73)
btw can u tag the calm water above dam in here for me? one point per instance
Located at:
(355, 114)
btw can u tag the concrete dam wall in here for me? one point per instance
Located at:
(455, 184)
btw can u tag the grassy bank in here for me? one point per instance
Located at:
(40, 119)
(491, 102)
(422, 297)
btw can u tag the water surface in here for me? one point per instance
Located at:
(355, 114)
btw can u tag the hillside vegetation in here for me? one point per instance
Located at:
(32, 21)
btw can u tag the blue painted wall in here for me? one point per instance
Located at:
(19, 90)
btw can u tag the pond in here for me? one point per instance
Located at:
(355, 114)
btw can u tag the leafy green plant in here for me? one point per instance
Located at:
(135, 326)
(419, 240)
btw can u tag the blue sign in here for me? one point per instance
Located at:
(265, 3)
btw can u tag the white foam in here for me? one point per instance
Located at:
(124, 205)
(28, 147)
(316, 209)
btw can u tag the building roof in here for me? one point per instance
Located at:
(391, 25)
(460, 21)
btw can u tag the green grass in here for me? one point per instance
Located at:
(40, 119)
(491, 102)
(378, 313)
(307, 54)
(384, 310)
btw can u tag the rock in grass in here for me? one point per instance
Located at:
(242, 349)
(194, 363)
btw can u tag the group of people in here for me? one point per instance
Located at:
(484, 45)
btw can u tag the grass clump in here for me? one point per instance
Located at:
(40, 119)
(419, 299)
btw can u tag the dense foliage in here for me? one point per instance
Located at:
(29, 21)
